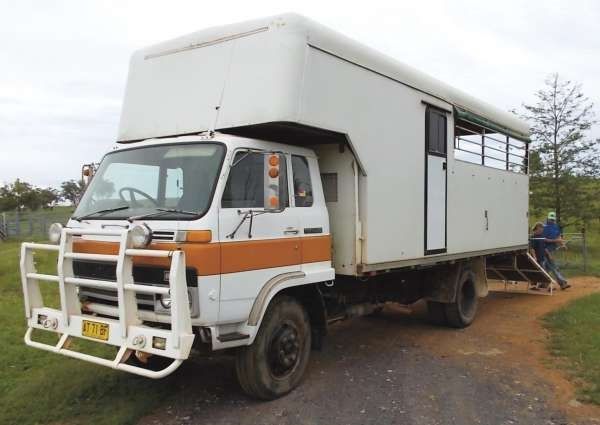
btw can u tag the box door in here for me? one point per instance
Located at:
(435, 180)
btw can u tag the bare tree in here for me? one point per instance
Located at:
(563, 159)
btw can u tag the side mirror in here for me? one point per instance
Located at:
(272, 178)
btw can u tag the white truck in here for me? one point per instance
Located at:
(269, 178)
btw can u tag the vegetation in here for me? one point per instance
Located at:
(576, 339)
(564, 161)
(41, 387)
(21, 195)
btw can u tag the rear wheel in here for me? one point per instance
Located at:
(436, 313)
(276, 361)
(461, 312)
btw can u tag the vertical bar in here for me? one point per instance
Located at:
(17, 223)
(61, 276)
(584, 247)
(120, 276)
(483, 146)
(507, 152)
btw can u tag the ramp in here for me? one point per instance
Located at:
(516, 267)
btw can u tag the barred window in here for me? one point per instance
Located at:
(480, 145)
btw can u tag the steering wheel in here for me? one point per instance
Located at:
(132, 191)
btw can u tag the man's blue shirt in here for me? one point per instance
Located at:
(551, 231)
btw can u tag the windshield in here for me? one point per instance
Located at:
(180, 178)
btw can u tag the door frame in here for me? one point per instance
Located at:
(445, 113)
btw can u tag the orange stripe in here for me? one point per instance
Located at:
(228, 257)
(316, 248)
(206, 258)
(260, 254)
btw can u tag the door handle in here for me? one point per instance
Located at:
(291, 231)
(443, 165)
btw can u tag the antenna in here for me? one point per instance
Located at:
(211, 131)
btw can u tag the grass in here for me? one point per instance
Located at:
(575, 338)
(39, 387)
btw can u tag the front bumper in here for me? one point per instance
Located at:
(126, 331)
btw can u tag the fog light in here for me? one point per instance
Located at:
(55, 233)
(159, 343)
(141, 236)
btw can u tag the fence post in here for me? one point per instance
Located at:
(18, 223)
(584, 247)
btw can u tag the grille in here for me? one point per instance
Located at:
(142, 275)
(161, 235)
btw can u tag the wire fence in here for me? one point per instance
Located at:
(34, 224)
(574, 255)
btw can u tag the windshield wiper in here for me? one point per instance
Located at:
(102, 212)
(161, 211)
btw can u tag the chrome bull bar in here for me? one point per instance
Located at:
(127, 332)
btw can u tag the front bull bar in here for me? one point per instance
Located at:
(127, 332)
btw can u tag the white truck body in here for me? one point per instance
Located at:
(355, 188)
(288, 69)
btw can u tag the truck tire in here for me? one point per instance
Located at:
(276, 361)
(461, 312)
(436, 313)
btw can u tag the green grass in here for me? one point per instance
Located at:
(575, 338)
(39, 387)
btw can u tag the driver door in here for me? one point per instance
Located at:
(262, 245)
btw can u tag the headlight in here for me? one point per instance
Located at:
(165, 301)
(55, 232)
(141, 236)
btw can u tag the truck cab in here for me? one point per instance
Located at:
(242, 210)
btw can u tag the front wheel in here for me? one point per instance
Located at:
(275, 362)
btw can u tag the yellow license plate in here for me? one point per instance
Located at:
(94, 330)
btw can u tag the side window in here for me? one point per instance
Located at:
(245, 187)
(436, 134)
(303, 194)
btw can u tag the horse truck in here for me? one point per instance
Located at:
(270, 178)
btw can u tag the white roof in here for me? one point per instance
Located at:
(335, 43)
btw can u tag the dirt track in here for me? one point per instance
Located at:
(397, 369)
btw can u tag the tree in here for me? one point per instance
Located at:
(72, 190)
(563, 160)
(21, 195)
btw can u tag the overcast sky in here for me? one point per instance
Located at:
(64, 63)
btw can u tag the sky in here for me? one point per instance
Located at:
(63, 64)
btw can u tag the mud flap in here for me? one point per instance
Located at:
(518, 267)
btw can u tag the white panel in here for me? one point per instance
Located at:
(385, 122)
(436, 202)
(173, 94)
(474, 189)
(239, 290)
(342, 213)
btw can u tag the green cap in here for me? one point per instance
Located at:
(551, 215)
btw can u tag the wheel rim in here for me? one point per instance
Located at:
(467, 299)
(284, 350)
